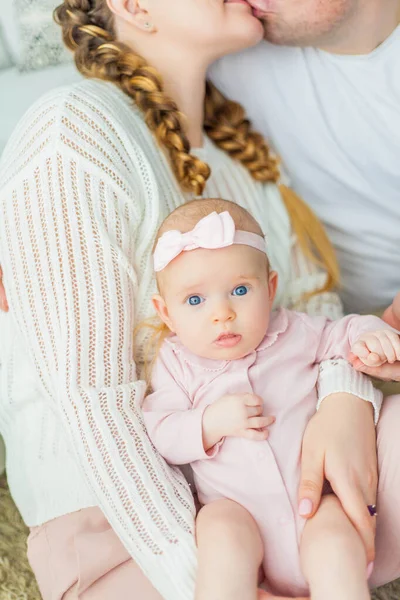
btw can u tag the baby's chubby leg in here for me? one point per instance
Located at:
(230, 552)
(332, 555)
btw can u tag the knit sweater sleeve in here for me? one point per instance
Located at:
(68, 233)
(174, 424)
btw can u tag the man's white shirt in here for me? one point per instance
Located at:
(335, 121)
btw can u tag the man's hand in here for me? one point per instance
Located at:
(235, 415)
(3, 297)
(391, 316)
(387, 372)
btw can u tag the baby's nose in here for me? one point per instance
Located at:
(224, 313)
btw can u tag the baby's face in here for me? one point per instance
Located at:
(218, 302)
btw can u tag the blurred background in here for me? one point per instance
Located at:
(32, 58)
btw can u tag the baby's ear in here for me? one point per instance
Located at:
(162, 310)
(272, 284)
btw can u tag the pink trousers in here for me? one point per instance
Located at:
(78, 556)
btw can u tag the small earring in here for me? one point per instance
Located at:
(147, 25)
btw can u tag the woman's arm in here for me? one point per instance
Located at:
(339, 443)
(67, 246)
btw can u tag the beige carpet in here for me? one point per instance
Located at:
(16, 578)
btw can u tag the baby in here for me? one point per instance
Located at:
(234, 386)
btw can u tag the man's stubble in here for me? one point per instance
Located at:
(309, 22)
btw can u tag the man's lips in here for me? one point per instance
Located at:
(259, 7)
(262, 6)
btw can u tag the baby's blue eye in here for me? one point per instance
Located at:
(194, 300)
(240, 290)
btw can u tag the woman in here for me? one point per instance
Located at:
(86, 179)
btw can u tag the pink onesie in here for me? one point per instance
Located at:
(262, 476)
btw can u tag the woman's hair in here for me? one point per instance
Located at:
(88, 30)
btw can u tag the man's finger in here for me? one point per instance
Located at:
(386, 372)
(396, 311)
(354, 360)
(394, 340)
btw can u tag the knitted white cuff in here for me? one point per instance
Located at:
(338, 375)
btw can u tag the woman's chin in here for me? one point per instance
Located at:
(248, 36)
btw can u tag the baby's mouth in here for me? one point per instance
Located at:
(228, 339)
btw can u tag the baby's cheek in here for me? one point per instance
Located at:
(193, 332)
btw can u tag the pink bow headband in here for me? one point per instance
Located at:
(212, 232)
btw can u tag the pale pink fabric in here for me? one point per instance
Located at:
(79, 557)
(262, 476)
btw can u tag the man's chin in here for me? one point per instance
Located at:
(279, 34)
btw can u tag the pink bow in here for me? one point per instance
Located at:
(213, 231)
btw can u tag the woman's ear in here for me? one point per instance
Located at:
(272, 285)
(162, 310)
(132, 12)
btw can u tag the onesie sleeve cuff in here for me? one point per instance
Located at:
(194, 448)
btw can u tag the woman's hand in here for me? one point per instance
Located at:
(3, 297)
(340, 445)
(387, 372)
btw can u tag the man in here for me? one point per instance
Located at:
(327, 96)
(324, 89)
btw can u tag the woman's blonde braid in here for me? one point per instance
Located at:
(88, 30)
(226, 124)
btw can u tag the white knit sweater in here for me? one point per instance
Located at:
(84, 187)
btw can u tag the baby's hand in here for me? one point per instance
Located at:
(236, 415)
(377, 347)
